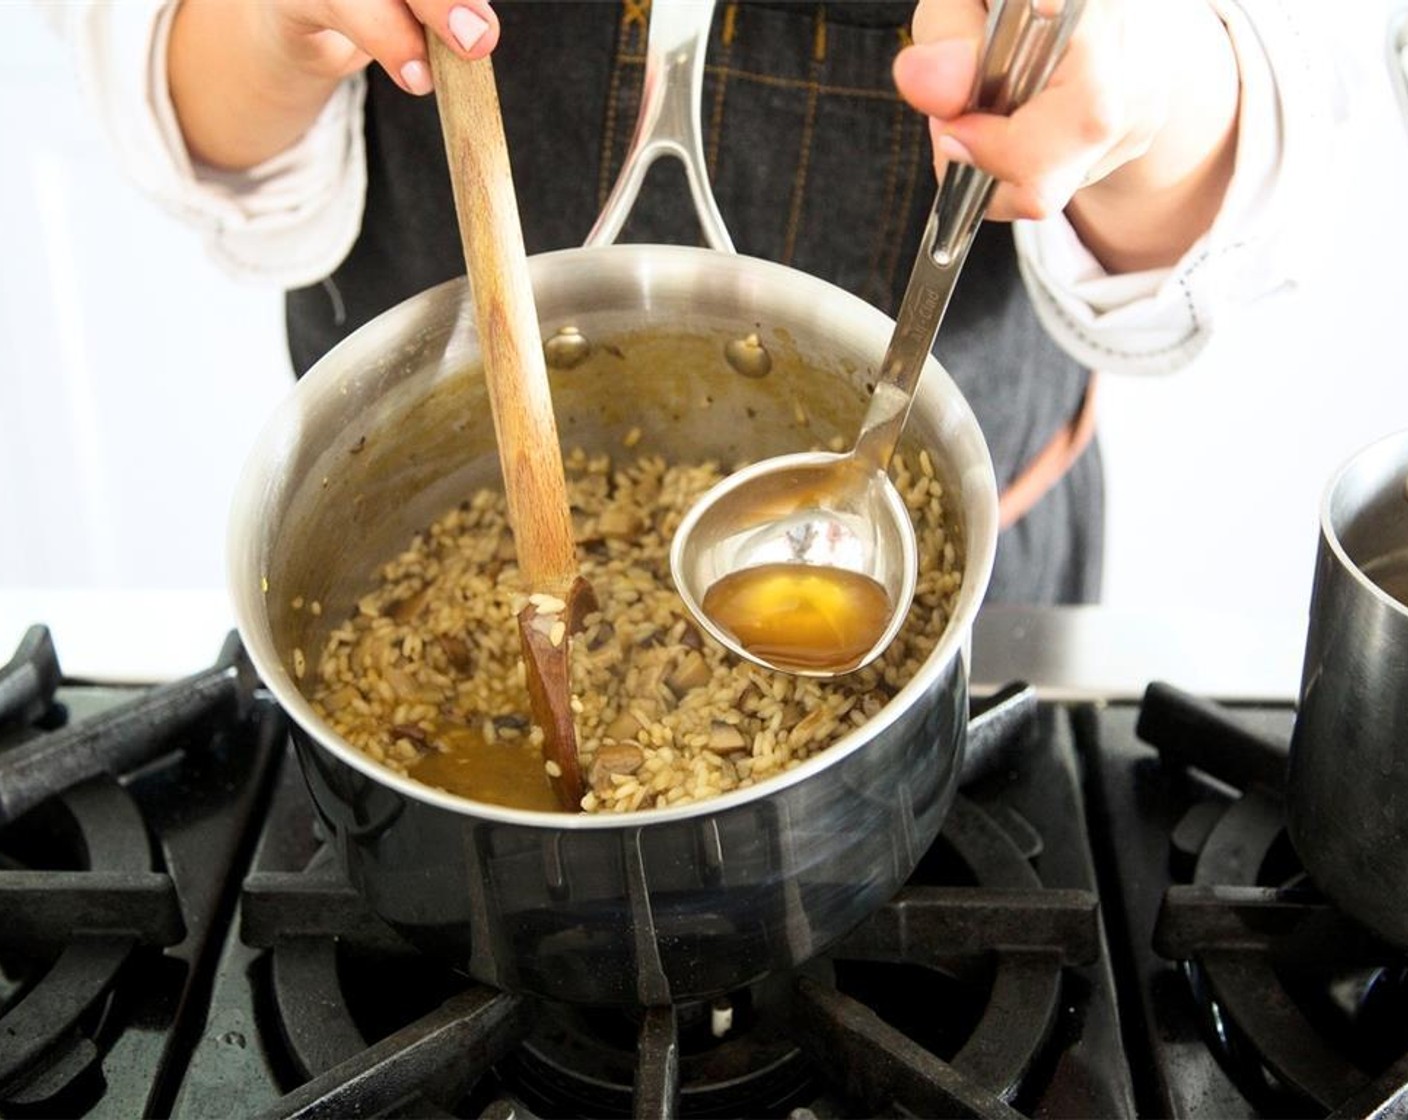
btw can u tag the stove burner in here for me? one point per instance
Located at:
(29, 679)
(1025, 932)
(847, 1023)
(111, 888)
(120, 739)
(71, 931)
(1307, 1010)
(733, 1056)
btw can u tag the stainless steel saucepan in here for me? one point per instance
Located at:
(392, 428)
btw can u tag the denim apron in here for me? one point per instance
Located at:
(816, 164)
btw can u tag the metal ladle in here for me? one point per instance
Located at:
(841, 511)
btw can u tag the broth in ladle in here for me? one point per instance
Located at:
(801, 616)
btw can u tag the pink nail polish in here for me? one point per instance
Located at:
(467, 26)
(416, 76)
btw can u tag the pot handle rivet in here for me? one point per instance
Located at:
(566, 349)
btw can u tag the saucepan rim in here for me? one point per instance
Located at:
(1389, 450)
(978, 508)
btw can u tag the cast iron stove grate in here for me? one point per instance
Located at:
(979, 990)
(1304, 1012)
(123, 812)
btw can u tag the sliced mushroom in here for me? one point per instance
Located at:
(412, 732)
(690, 672)
(457, 653)
(619, 758)
(624, 726)
(403, 610)
(617, 523)
(651, 678)
(600, 634)
(614, 758)
(724, 738)
(690, 636)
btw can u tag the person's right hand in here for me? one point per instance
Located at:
(1134, 137)
(247, 79)
(334, 38)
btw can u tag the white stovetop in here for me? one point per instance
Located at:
(1067, 653)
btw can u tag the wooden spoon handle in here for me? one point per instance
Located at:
(516, 373)
(509, 337)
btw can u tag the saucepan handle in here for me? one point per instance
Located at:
(669, 121)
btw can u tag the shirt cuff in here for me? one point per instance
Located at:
(1158, 320)
(289, 221)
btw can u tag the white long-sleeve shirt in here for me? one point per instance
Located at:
(293, 219)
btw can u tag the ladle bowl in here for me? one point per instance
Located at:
(819, 509)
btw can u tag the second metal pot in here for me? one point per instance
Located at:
(1347, 783)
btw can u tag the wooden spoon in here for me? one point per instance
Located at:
(520, 399)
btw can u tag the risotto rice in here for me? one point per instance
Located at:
(664, 715)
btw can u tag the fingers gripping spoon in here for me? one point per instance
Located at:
(516, 374)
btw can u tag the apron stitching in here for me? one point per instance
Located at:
(606, 158)
(799, 187)
(877, 272)
(805, 83)
(914, 148)
(826, 89)
(721, 73)
(730, 23)
(636, 13)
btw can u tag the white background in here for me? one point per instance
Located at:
(133, 377)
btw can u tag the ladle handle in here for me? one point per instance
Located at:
(669, 120)
(1024, 42)
(510, 340)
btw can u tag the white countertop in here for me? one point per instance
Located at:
(122, 636)
(1095, 653)
(1067, 653)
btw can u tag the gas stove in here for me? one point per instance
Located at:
(1247, 993)
(1111, 923)
(116, 892)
